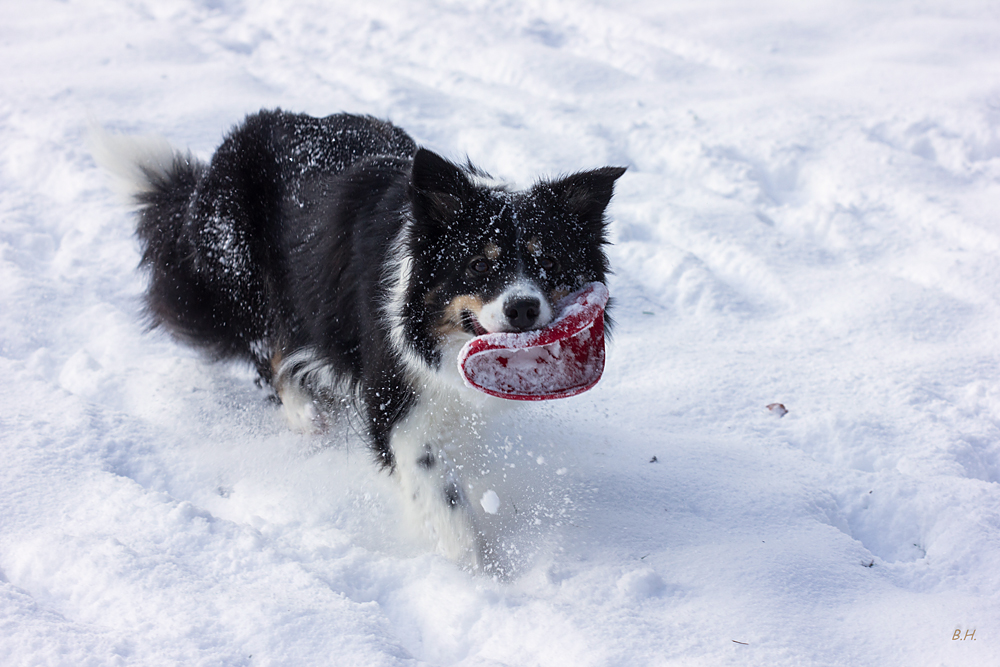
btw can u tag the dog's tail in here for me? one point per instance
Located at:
(142, 166)
(160, 183)
(192, 292)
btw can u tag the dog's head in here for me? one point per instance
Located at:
(483, 259)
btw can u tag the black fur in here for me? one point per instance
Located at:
(290, 239)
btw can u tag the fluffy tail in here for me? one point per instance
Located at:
(139, 165)
(161, 183)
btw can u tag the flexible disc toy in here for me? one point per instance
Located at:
(564, 359)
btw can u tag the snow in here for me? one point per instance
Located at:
(809, 218)
(490, 501)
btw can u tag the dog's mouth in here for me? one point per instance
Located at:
(471, 325)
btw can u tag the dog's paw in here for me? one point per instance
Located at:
(302, 413)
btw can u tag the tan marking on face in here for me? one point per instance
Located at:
(451, 318)
(276, 362)
(557, 294)
(491, 251)
(535, 246)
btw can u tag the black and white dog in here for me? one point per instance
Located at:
(350, 266)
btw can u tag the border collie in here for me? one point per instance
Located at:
(350, 266)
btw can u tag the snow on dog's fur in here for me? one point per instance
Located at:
(350, 266)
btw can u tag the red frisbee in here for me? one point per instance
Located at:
(564, 359)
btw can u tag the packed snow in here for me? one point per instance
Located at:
(809, 218)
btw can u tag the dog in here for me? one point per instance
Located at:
(349, 266)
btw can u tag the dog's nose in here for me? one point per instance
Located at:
(522, 312)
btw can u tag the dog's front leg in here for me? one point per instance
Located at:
(429, 468)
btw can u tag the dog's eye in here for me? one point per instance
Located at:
(479, 266)
(548, 263)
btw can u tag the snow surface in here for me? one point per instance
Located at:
(809, 218)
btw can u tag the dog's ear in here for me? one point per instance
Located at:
(437, 187)
(587, 193)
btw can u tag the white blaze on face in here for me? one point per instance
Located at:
(492, 317)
